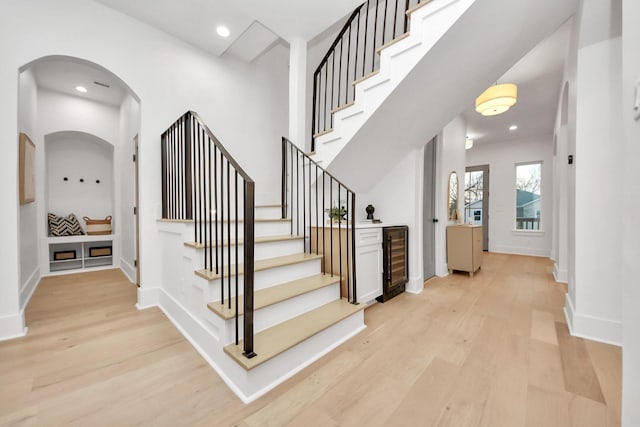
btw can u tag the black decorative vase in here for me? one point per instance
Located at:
(370, 209)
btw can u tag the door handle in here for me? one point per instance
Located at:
(435, 219)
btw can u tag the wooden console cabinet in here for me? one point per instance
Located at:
(464, 248)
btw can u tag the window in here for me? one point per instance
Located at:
(473, 192)
(528, 196)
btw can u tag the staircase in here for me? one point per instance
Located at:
(296, 311)
(400, 90)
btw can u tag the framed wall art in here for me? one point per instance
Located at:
(26, 167)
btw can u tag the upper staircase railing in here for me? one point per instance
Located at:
(322, 210)
(353, 55)
(203, 182)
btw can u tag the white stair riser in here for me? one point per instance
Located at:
(261, 251)
(268, 212)
(269, 316)
(428, 24)
(266, 376)
(266, 278)
(262, 229)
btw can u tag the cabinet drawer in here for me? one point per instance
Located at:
(368, 236)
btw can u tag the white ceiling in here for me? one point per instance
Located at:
(539, 78)
(64, 74)
(195, 21)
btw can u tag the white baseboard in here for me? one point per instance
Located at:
(415, 285)
(561, 275)
(258, 381)
(519, 250)
(592, 328)
(29, 287)
(12, 326)
(128, 270)
(148, 297)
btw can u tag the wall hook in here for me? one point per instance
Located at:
(97, 181)
(81, 179)
(65, 179)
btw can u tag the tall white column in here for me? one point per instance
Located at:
(297, 92)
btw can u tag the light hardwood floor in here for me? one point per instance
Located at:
(492, 350)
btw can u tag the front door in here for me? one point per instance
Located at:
(428, 211)
(476, 200)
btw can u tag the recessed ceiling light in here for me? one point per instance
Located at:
(223, 31)
(513, 127)
(81, 89)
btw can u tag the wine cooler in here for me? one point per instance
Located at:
(396, 261)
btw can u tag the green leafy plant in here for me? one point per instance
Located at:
(336, 213)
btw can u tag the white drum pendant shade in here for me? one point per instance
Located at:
(497, 99)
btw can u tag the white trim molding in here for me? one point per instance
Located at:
(12, 326)
(29, 287)
(519, 250)
(561, 275)
(148, 297)
(591, 327)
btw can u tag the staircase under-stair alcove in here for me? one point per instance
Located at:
(243, 282)
(414, 82)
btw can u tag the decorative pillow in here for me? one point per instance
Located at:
(64, 226)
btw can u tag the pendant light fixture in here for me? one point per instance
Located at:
(497, 99)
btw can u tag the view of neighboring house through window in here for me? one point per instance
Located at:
(473, 188)
(528, 197)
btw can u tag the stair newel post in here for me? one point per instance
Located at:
(163, 154)
(249, 260)
(353, 248)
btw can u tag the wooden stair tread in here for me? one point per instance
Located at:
(418, 6)
(392, 42)
(275, 294)
(276, 205)
(283, 336)
(324, 132)
(342, 107)
(264, 239)
(263, 264)
(363, 78)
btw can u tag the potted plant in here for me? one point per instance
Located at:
(336, 214)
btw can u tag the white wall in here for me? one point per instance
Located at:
(240, 103)
(450, 156)
(630, 250)
(397, 198)
(79, 156)
(502, 158)
(129, 126)
(593, 305)
(29, 267)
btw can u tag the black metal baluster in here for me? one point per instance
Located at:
(249, 198)
(364, 48)
(324, 236)
(229, 235)
(187, 172)
(375, 34)
(348, 267)
(406, 17)
(353, 250)
(355, 60)
(221, 235)
(340, 71)
(331, 221)
(348, 83)
(316, 108)
(215, 202)
(333, 82)
(340, 239)
(326, 83)
(384, 22)
(304, 206)
(211, 182)
(237, 259)
(283, 182)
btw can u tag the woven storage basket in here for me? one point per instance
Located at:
(98, 226)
